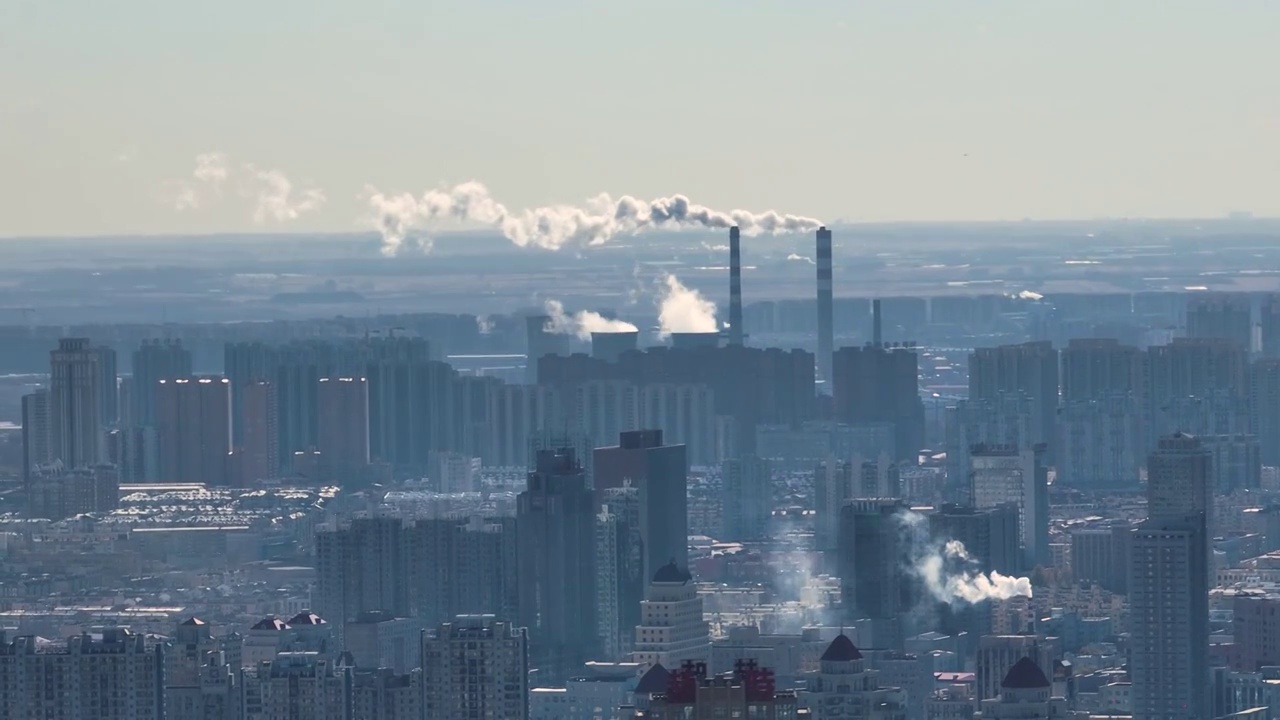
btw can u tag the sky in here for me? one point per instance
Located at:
(857, 110)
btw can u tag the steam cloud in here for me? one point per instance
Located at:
(801, 258)
(581, 323)
(594, 222)
(947, 569)
(272, 193)
(682, 309)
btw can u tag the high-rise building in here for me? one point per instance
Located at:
(879, 384)
(76, 435)
(361, 567)
(832, 486)
(1264, 405)
(193, 419)
(747, 492)
(1179, 477)
(36, 450)
(672, 630)
(1198, 385)
(108, 386)
(619, 570)
(989, 535)
(826, 327)
(1269, 323)
(56, 493)
(1029, 369)
(1099, 368)
(381, 640)
(384, 694)
(199, 682)
(844, 687)
(1000, 474)
(112, 674)
(555, 523)
(258, 454)
(541, 341)
(998, 654)
(1007, 420)
(476, 667)
(1169, 619)
(872, 555)
(1100, 555)
(659, 472)
(153, 361)
(1226, 316)
(299, 685)
(1101, 443)
(1026, 694)
(342, 432)
(736, 331)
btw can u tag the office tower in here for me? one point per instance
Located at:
(259, 448)
(342, 406)
(476, 667)
(989, 535)
(844, 687)
(998, 654)
(555, 523)
(1269, 322)
(193, 418)
(112, 674)
(36, 450)
(1029, 369)
(1025, 694)
(1100, 555)
(660, 474)
(747, 692)
(56, 493)
(873, 384)
(619, 570)
(671, 629)
(108, 390)
(826, 331)
(999, 474)
(382, 640)
(872, 557)
(747, 498)
(540, 342)
(736, 329)
(1226, 316)
(76, 435)
(1098, 368)
(299, 685)
(1179, 475)
(1101, 443)
(153, 361)
(1168, 618)
(832, 486)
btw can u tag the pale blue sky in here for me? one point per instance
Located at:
(868, 110)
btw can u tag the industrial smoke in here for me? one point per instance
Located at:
(948, 571)
(398, 217)
(273, 194)
(682, 309)
(581, 323)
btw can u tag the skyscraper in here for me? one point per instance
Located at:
(872, 557)
(476, 667)
(193, 418)
(555, 523)
(1179, 475)
(259, 448)
(153, 361)
(826, 330)
(1169, 616)
(1097, 368)
(989, 535)
(661, 475)
(1226, 316)
(878, 384)
(1029, 369)
(1001, 474)
(747, 491)
(342, 406)
(1269, 321)
(75, 420)
(619, 564)
(736, 331)
(108, 386)
(36, 450)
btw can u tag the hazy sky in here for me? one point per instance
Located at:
(865, 110)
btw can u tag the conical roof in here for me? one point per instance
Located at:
(653, 681)
(841, 649)
(1025, 675)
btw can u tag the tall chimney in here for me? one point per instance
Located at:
(826, 335)
(877, 339)
(735, 287)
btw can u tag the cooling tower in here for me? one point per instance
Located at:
(609, 345)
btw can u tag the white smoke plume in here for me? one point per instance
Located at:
(682, 309)
(801, 258)
(594, 222)
(271, 192)
(948, 572)
(581, 323)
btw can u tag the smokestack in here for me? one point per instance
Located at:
(735, 287)
(877, 339)
(826, 335)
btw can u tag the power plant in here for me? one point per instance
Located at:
(541, 341)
